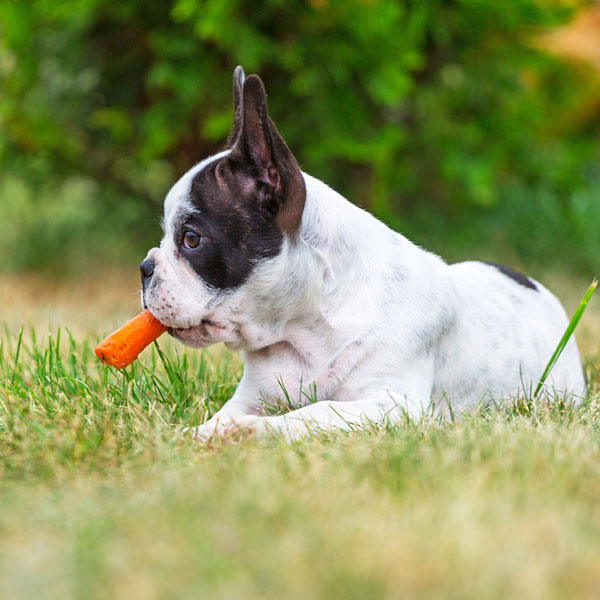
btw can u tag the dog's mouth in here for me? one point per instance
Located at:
(205, 324)
(206, 333)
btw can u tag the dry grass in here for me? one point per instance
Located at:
(85, 306)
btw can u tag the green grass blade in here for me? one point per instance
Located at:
(566, 336)
(17, 353)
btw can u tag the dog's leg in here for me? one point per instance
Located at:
(410, 396)
(330, 416)
(242, 404)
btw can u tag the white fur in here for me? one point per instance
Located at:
(356, 317)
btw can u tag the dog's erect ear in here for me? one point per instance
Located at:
(238, 87)
(260, 154)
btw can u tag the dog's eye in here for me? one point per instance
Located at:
(191, 239)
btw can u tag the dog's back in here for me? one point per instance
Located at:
(505, 332)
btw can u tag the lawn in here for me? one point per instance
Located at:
(97, 500)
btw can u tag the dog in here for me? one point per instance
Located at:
(338, 318)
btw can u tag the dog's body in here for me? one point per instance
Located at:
(351, 319)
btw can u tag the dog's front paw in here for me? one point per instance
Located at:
(248, 426)
(229, 428)
(206, 432)
(261, 427)
(238, 428)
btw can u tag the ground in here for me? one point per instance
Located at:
(97, 500)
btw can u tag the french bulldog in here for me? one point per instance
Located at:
(339, 319)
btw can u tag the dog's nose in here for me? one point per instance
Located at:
(147, 270)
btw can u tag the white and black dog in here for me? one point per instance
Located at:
(357, 323)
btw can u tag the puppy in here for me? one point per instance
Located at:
(357, 324)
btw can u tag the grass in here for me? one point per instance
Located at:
(569, 331)
(97, 501)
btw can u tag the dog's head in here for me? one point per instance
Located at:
(223, 219)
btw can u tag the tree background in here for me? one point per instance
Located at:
(471, 126)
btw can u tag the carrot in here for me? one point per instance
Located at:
(122, 347)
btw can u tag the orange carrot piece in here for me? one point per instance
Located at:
(122, 347)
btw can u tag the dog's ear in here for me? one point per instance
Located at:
(260, 153)
(238, 87)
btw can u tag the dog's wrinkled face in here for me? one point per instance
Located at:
(224, 217)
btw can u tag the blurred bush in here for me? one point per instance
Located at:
(448, 119)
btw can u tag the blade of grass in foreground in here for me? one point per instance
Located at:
(565, 338)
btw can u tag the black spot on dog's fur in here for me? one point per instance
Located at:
(236, 235)
(515, 275)
(247, 201)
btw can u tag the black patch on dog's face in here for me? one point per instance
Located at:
(515, 275)
(247, 201)
(235, 234)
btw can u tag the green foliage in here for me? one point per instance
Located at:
(430, 106)
(70, 223)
